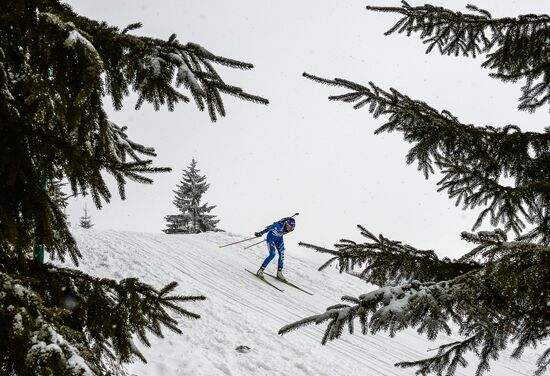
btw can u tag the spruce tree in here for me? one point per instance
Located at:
(86, 220)
(498, 293)
(193, 217)
(56, 69)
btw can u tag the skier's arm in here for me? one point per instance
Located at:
(267, 229)
(260, 233)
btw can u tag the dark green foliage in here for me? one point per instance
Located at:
(498, 293)
(60, 119)
(56, 68)
(193, 217)
(516, 47)
(473, 160)
(386, 260)
(95, 316)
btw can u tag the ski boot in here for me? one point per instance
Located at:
(260, 272)
(280, 275)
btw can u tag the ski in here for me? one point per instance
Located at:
(263, 279)
(288, 283)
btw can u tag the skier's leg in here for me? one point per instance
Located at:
(281, 250)
(271, 246)
(280, 264)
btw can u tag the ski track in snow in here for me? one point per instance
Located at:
(241, 310)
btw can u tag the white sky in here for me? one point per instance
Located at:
(302, 153)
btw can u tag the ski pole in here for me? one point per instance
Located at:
(240, 241)
(261, 241)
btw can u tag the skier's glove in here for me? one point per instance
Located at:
(258, 234)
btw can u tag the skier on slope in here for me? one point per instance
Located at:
(275, 242)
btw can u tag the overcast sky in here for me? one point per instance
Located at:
(302, 153)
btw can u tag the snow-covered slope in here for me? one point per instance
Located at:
(242, 310)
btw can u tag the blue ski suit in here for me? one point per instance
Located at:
(275, 242)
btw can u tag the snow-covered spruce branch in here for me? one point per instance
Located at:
(386, 261)
(416, 119)
(31, 334)
(68, 314)
(132, 171)
(153, 67)
(495, 294)
(158, 301)
(440, 25)
(389, 309)
(478, 33)
(132, 308)
(480, 156)
(429, 307)
(121, 145)
(115, 148)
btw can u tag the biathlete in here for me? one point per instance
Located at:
(275, 243)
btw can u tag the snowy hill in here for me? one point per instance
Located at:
(242, 310)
